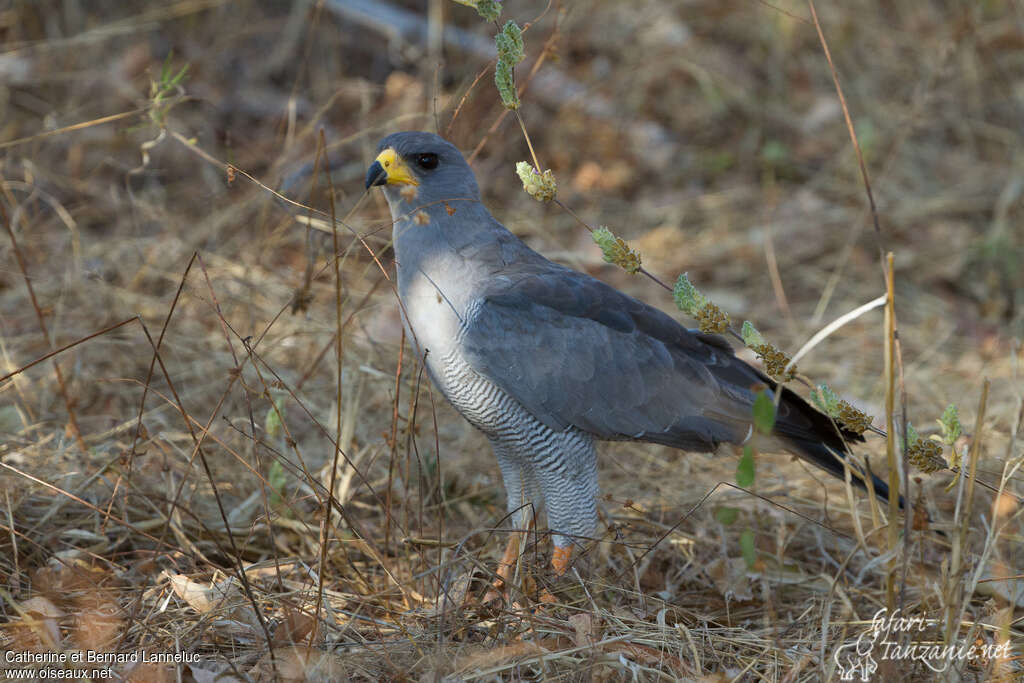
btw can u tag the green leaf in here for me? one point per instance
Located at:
(950, 423)
(687, 297)
(745, 468)
(726, 515)
(774, 153)
(826, 400)
(764, 412)
(276, 478)
(615, 250)
(912, 436)
(165, 68)
(179, 76)
(751, 337)
(272, 420)
(747, 548)
(604, 238)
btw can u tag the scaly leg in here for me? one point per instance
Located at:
(506, 567)
(518, 489)
(568, 478)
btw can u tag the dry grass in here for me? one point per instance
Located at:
(160, 502)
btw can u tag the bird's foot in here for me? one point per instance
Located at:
(560, 559)
(500, 588)
(506, 566)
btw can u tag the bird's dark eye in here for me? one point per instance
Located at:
(427, 161)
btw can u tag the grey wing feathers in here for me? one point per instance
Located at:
(576, 352)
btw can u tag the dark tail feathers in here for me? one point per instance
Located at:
(830, 460)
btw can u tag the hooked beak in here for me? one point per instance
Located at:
(389, 169)
(376, 175)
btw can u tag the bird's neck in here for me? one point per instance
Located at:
(452, 246)
(442, 229)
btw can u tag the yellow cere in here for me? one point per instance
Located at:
(398, 172)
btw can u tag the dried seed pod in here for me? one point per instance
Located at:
(926, 455)
(712, 320)
(616, 251)
(540, 186)
(855, 420)
(775, 362)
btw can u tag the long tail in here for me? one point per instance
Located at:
(830, 459)
(811, 435)
(799, 428)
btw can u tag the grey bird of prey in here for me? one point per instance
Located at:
(545, 360)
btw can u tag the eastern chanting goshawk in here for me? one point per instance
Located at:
(545, 360)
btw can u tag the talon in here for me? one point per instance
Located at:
(560, 559)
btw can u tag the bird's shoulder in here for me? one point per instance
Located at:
(577, 352)
(539, 292)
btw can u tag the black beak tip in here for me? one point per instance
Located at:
(376, 175)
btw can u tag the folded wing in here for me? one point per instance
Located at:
(578, 353)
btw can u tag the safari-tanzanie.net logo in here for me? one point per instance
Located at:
(894, 637)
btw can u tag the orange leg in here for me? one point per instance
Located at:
(560, 559)
(505, 568)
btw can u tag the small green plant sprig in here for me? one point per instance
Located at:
(538, 184)
(161, 90)
(164, 93)
(710, 318)
(951, 429)
(511, 51)
(828, 402)
(764, 421)
(616, 251)
(776, 363)
(272, 425)
(927, 454)
(763, 411)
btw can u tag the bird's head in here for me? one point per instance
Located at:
(421, 171)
